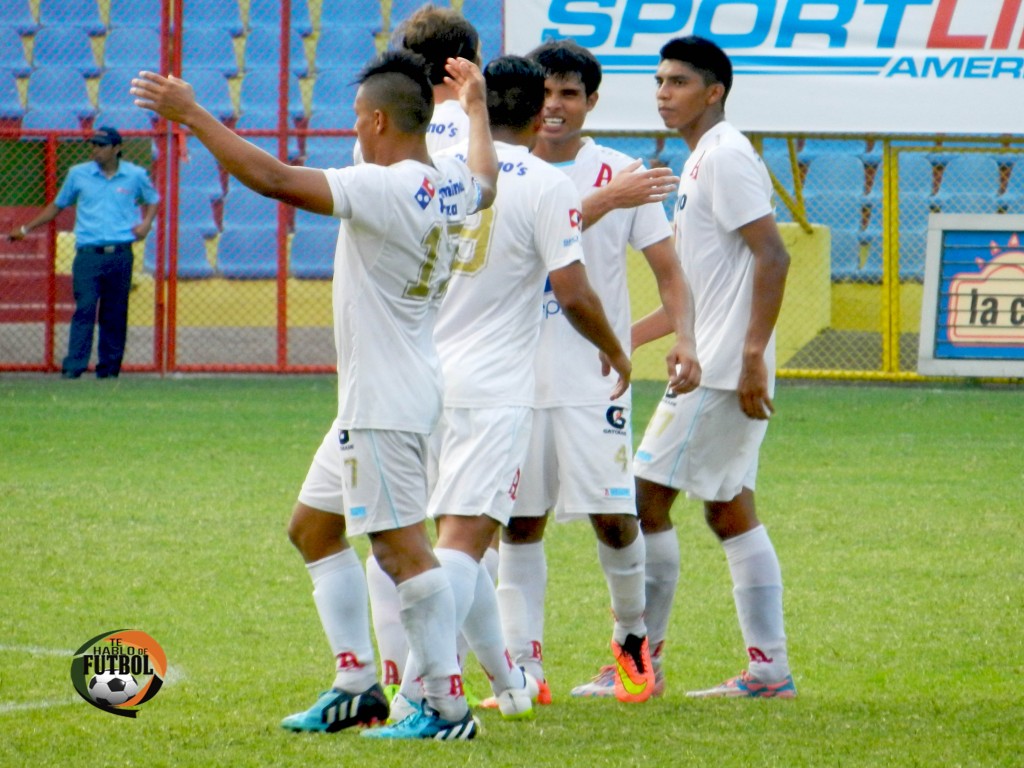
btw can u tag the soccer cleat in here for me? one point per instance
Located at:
(744, 686)
(337, 710)
(603, 685)
(517, 703)
(401, 708)
(543, 697)
(634, 674)
(426, 723)
(390, 691)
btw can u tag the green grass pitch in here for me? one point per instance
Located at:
(161, 505)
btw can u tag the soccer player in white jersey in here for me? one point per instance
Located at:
(706, 442)
(580, 450)
(487, 337)
(400, 214)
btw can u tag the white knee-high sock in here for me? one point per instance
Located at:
(339, 591)
(661, 577)
(624, 573)
(464, 573)
(757, 590)
(522, 583)
(386, 609)
(428, 617)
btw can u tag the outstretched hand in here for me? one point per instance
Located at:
(468, 81)
(633, 186)
(169, 97)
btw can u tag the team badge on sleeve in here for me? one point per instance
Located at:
(425, 193)
(575, 218)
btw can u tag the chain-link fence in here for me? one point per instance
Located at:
(231, 281)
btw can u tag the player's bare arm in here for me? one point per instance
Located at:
(631, 187)
(583, 308)
(771, 264)
(467, 80)
(174, 99)
(681, 360)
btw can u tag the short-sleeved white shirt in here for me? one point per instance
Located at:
(568, 369)
(398, 237)
(488, 327)
(449, 126)
(723, 185)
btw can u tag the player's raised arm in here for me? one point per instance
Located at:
(468, 80)
(173, 98)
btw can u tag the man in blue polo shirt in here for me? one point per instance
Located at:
(107, 192)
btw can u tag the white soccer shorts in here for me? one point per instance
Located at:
(478, 455)
(702, 443)
(579, 463)
(376, 478)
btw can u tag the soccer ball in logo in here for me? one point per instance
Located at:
(112, 689)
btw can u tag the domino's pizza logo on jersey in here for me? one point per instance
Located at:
(425, 193)
(575, 218)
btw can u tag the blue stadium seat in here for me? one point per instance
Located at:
(339, 14)
(970, 184)
(134, 48)
(195, 211)
(57, 98)
(214, 14)
(12, 52)
(138, 14)
(834, 196)
(125, 118)
(312, 252)
(17, 16)
(209, 48)
(83, 14)
(333, 94)
(916, 174)
(267, 14)
(200, 171)
(815, 148)
(248, 253)
(260, 98)
(263, 50)
(244, 209)
(192, 261)
(114, 90)
(211, 89)
(329, 152)
(345, 47)
(10, 101)
(64, 47)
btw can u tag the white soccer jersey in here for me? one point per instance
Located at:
(398, 237)
(488, 328)
(568, 369)
(449, 126)
(723, 185)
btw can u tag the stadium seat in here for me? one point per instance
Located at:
(12, 52)
(259, 99)
(345, 47)
(83, 14)
(211, 89)
(64, 47)
(114, 90)
(267, 14)
(245, 209)
(10, 101)
(916, 174)
(834, 197)
(361, 14)
(209, 48)
(263, 50)
(223, 15)
(333, 94)
(125, 118)
(313, 247)
(816, 148)
(192, 260)
(248, 253)
(970, 184)
(138, 14)
(57, 98)
(133, 48)
(329, 151)
(17, 16)
(198, 170)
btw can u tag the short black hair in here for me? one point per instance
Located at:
(438, 34)
(515, 91)
(562, 58)
(704, 56)
(396, 81)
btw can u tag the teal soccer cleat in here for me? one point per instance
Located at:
(337, 710)
(425, 723)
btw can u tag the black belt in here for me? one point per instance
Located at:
(113, 248)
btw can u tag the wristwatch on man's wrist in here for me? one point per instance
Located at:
(24, 230)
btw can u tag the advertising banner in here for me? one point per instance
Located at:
(858, 66)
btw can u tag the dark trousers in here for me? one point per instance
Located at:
(102, 279)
